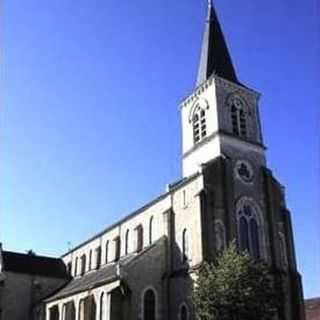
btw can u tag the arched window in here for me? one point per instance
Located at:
(90, 260)
(151, 230)
(87, 308)
(184, 314)
(244, 234)
(54, 313)
(117, 248)
(185, 246)
(69, 311)
(254, 231)
(199, 124)
(107, 252)
(139, 231)
(249, 231)
(149, 305)
(69, 268)
(76, 267)
(220, 235)
(98, 257)
(127, 243)
(83, 264)
(238, 116)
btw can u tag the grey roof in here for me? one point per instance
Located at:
(90, 280)
(215, 56)
(106, 274)
(311, 304)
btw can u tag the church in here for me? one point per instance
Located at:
(142, 267)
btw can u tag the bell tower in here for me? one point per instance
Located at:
(221, 116)
(242, 200)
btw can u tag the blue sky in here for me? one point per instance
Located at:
(90, 128)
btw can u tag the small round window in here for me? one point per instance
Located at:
(244, 171)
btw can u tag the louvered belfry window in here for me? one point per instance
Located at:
(238, 117)
(199, 125)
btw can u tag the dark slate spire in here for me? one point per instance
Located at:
(215, 57)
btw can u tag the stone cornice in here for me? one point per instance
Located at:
(220, 82)
(222, 133)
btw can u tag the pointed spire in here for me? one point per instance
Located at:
(215, 57)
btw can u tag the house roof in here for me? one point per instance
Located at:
(106, 274)
(312, 307)
(88, 281)
(33, 265)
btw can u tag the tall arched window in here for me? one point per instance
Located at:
(151, 230)
(69, 268)
(199, 124)
(184, 312)
(54, 313)
(98, 257)
(149, 305)
(69, 311)
(127, 243)
(185, 246)
(83, 264)
(238, 116)
(117, 248)
(139, 231)
(250, 232)
(244, 234)
(107, 252)
(87, 308)
(254, 230)
(76, 267)
(90, 260)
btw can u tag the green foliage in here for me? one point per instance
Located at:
(234, 288)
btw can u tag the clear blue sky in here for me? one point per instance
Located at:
(90, 128)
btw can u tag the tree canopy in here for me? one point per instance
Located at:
(235, 287)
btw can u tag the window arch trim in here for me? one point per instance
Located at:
(258, 216)
(143, 302)
(238, 115)
(184, 305)
(198, 120)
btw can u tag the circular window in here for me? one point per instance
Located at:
(244, 171)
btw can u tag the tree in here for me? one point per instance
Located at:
(235, 287)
